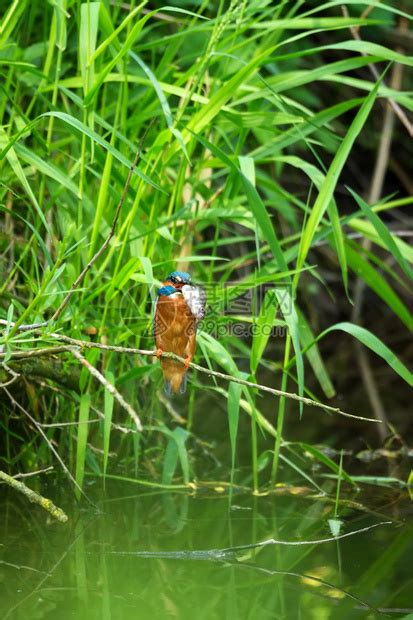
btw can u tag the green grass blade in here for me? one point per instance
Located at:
(10, 19)
(19, 172)
(219, 353)
(234, 395)
(367, 3)
(82, 433)
(329, 185)
(256, 204)
(368, 230)
(314, 357)
(301, 472)
(378, 284)
(209, 111)
(323, 458)
(61, 15)
(170, 461)
(180, 436)
(291, 318)
(48, 168)
(163, 102)
(78, 126)
(35, 232)
(318, 178)
(111, 34)
(263, 329)
(384, 234)
(107, 423)
(123, 50)
(373, 49)
(374, 344)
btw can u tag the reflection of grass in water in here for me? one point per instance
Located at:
(190, 561)
(238, 98)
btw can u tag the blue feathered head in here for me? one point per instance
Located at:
(179, 278)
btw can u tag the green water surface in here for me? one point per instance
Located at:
(143, 556)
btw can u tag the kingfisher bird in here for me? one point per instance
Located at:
(179, 307)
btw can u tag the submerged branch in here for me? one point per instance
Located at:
(32, 496)
(231, 552)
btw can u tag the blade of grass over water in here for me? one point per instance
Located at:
(82, 434)
(107, 424)
(234, 395)
(291, 318)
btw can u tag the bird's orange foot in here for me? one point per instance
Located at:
(159, 353)
(187, 361)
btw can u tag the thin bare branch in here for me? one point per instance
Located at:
(211, 373)
(83, 344)
(14, 375)
(49, 443)
(40, 352)
(34, 473)
(109, 387)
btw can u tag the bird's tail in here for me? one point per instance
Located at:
(175, 385)
(175, 378)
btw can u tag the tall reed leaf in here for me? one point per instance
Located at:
(263, 329)
(291, 318)
(78, 126)
(378, 284)
(19, 172)
(82, 433)
(329, 184)
(314, 357)
(383, 233)
(234, 395)
(107, 423)
(374, 344)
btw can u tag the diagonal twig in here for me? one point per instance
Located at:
(108, 386)
(49, 443)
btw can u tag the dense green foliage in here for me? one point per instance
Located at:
(266, 121)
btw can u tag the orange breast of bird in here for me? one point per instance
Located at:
(175, 332)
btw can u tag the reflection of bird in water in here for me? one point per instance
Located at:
(179, 307)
